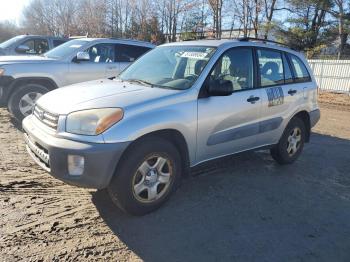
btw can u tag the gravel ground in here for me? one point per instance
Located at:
(240, 208)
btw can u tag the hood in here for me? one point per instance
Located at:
(24, 59)
(100, 94)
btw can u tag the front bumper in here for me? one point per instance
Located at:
(51, 153)
(5, 89)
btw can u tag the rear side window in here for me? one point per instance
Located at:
(300, 71)
(271, 67)
(129, 53)
(58, 42)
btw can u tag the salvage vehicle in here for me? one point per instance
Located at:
(23, 79)
(177, 106)
(30, 45)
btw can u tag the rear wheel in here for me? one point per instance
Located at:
(146, 176)
(291, 143)
(22, 101)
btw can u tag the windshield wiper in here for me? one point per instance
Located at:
(139, 81)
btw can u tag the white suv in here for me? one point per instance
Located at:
(23, 79)
(177, 106)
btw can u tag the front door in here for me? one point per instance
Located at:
(101, 57)
(229, 124)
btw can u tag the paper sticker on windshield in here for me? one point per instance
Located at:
(75, 46)
(195, 55)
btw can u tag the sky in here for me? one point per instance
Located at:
(12, 9)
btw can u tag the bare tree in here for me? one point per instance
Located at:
(269, 6)
(216, 7)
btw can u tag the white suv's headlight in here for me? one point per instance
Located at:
(2, 71)
(93, 121)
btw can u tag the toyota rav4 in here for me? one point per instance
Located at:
(177, 106)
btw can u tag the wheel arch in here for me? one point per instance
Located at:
(305, 117)
(172, 135)
(47, 82)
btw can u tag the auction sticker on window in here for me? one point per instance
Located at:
(195, 55)
(75, 46)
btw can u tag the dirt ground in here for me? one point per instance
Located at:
(241, 208)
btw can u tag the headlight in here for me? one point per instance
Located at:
(2, 71)
(93, 121)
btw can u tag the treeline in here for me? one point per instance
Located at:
(311, 25)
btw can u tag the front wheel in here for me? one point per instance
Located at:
(291, 143)
(146, 176)
(22, 101)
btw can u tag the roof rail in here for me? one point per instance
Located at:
(129, 39)
(247, 39)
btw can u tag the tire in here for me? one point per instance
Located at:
(17, 102)
(283, 152)
(134, 183)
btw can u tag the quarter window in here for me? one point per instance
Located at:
(129, 53)
(271, 68)
(236, 66)
(300, 71)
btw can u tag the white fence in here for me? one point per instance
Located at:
(332, 75)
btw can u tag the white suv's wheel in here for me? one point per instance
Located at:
(146, 176)
(22, 101)
(291, 143)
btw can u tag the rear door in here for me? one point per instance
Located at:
(229, 124)
(302, 79)
(279, 96)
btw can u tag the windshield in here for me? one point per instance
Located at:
(175, 67)
(11, 41)
(65, 49)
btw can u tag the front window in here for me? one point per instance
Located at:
(236, 66)
(101, 53)
(35, 46)
(175, 67)
(66, 49)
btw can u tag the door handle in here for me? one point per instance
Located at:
(253, 99)
(112, 67)
(292, 92)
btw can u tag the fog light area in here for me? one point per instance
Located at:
(75, 165)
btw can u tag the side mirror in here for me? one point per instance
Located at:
(220, 88)
(22, 49)
(83, 56)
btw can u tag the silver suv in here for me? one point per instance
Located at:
(30, 45)
(177, 106)
(23, 79)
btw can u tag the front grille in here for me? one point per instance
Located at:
(49, 119)
(38, 153)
